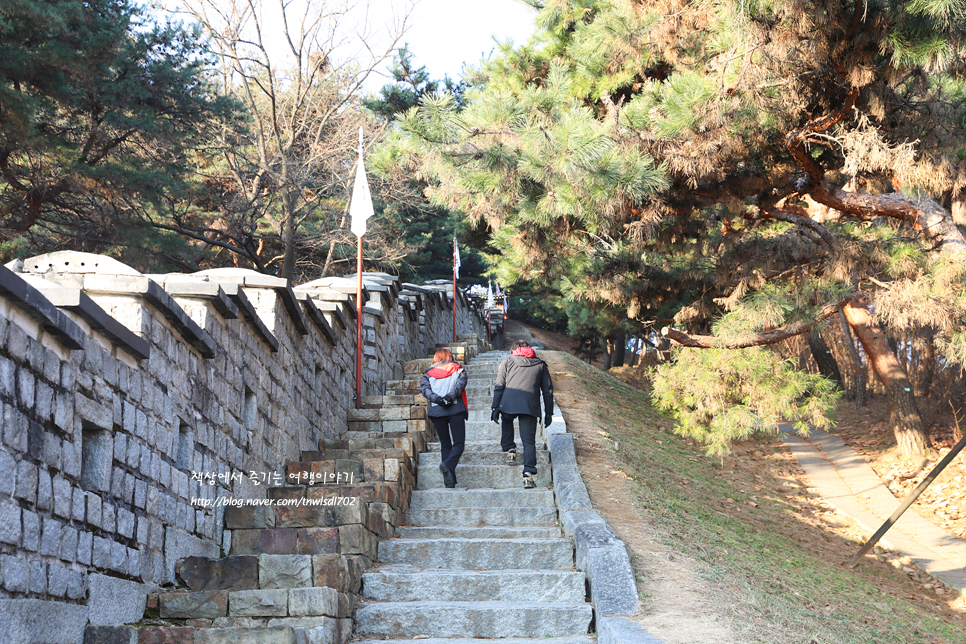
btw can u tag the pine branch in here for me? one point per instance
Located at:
(682, 339)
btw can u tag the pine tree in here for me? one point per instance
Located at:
(737, 172)
(100, 107)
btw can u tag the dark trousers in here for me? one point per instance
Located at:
(451, 431)
(528, 436)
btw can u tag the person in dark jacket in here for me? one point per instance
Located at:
(520, 380)
(444, 386)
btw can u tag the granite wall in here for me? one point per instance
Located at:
(120, 390)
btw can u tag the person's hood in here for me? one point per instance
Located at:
(526, 362)
(524, 352)
(443, 369)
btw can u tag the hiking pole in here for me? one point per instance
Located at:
(936, 471)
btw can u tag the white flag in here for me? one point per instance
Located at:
(506, 302)
(498, 293)
(360, 208)
(456, 258)
(489, 295)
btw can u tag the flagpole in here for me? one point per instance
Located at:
(360, 209)
(359, 326)
(454, 289)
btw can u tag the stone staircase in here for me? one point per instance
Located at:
(485, 560)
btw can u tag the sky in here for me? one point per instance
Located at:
(446, 33)
(442, 34)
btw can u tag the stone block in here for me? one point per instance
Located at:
(14, 574)
(373, 469)
(311, 516)
(249, 517)
(45, 490)
(115, 601)
(272, 542)
(318, 541)
(111, 635)
(57, 578)
(612, 629)
(319, 601)
(11, 528)
(166, 635)
(68, 544)
(391, 469)
(287, 493)
(77, 585)
(331, 571)
(356, 540)
(61, 623)
(611, 580)
(259, 635)
(203, 605)
(38, 577)
(258, 603)
(572, 496)
(239, 572)
(364, 415)
(284, 571)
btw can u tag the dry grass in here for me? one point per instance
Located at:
(769, 554)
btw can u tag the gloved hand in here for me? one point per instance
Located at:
(547, 420)
(447, 401)
(495, 416)
(436, 399)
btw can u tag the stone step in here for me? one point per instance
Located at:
(496, 516)
(486, 446)
(496, 457)
(430, 499)
(480, 554)
(187, 634)
(408, 584)
(477, 532)
(572, 639)
(260, 603)
(473, 619)
(481, 476)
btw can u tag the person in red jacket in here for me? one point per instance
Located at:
(520, 380)
(444, 386)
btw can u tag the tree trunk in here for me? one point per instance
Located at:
(857, 389)
(927, 364)
(827, 366)
(608, 352)
(288, 236)
(620, 349)
(903, 412)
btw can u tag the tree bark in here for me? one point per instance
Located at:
(903, 412)
(857, 388)
(608, 353)
(927, 364)
(827, 366)
(620, 349)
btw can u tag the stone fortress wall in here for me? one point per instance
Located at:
(116, 387)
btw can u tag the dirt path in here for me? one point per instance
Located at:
(677, 603)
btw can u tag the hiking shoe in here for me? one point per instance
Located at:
(449, 479)
(511, 458)
(528, 483)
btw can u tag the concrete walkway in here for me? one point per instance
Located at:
(844, 479)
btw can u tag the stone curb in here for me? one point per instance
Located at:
(613, 629)
(600, 552)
